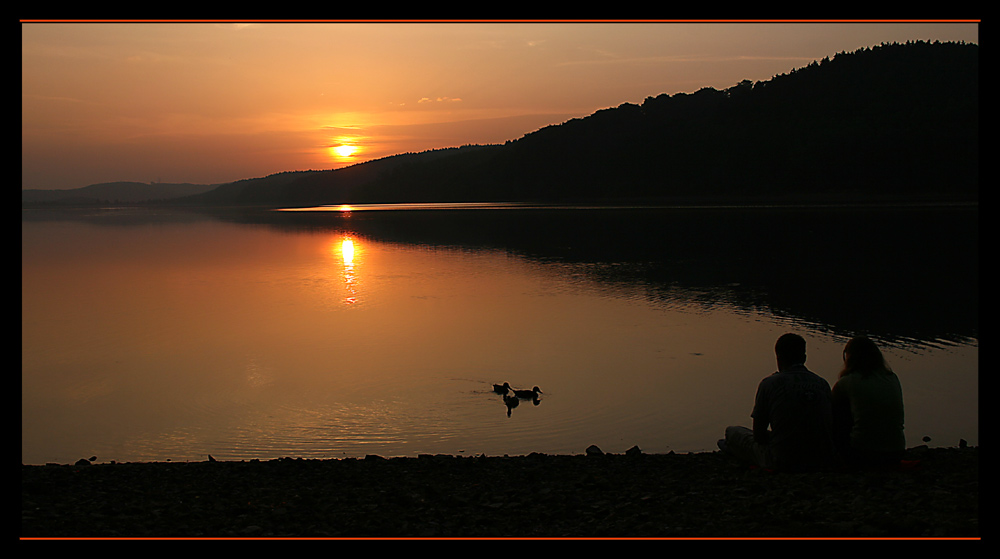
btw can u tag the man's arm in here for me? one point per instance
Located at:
(760, 432)
(761, 413)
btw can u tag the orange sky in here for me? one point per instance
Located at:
(213, 102)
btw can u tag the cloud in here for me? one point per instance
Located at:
(440, 100)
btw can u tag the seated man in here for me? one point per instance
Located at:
(795, 403)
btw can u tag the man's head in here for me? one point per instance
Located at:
(790, 349)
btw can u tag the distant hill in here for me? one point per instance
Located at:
(895, 121)
(317, 187)
(112, 193)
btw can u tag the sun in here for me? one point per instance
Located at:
(345, 150)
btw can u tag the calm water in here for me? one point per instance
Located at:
(151, 335)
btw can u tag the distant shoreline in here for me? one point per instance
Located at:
(930, 202)
(612, 206)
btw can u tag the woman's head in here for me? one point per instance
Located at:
(861, 355)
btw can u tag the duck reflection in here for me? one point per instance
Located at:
(511, 402)
(512, 397)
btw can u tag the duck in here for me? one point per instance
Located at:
(533, 393)
(501, 388)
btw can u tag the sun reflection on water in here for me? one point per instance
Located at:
(347, 251)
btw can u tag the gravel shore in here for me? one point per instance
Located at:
(592, 495)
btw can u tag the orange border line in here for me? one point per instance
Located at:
(501, 20)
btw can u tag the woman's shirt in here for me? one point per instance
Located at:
(875, 404)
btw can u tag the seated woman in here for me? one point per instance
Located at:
(868, 408)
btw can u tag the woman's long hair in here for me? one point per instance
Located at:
(861, 355)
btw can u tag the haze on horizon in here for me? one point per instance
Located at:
(218, 102)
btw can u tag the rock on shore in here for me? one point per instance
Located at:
(594, 494)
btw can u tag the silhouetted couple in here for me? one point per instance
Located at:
(800, 424)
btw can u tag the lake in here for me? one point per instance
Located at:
(156, 334)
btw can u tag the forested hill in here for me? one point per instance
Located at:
(886, 122)
(890, 121)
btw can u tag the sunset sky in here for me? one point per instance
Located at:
(212, 102)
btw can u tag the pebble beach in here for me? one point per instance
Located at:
(591, 495)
